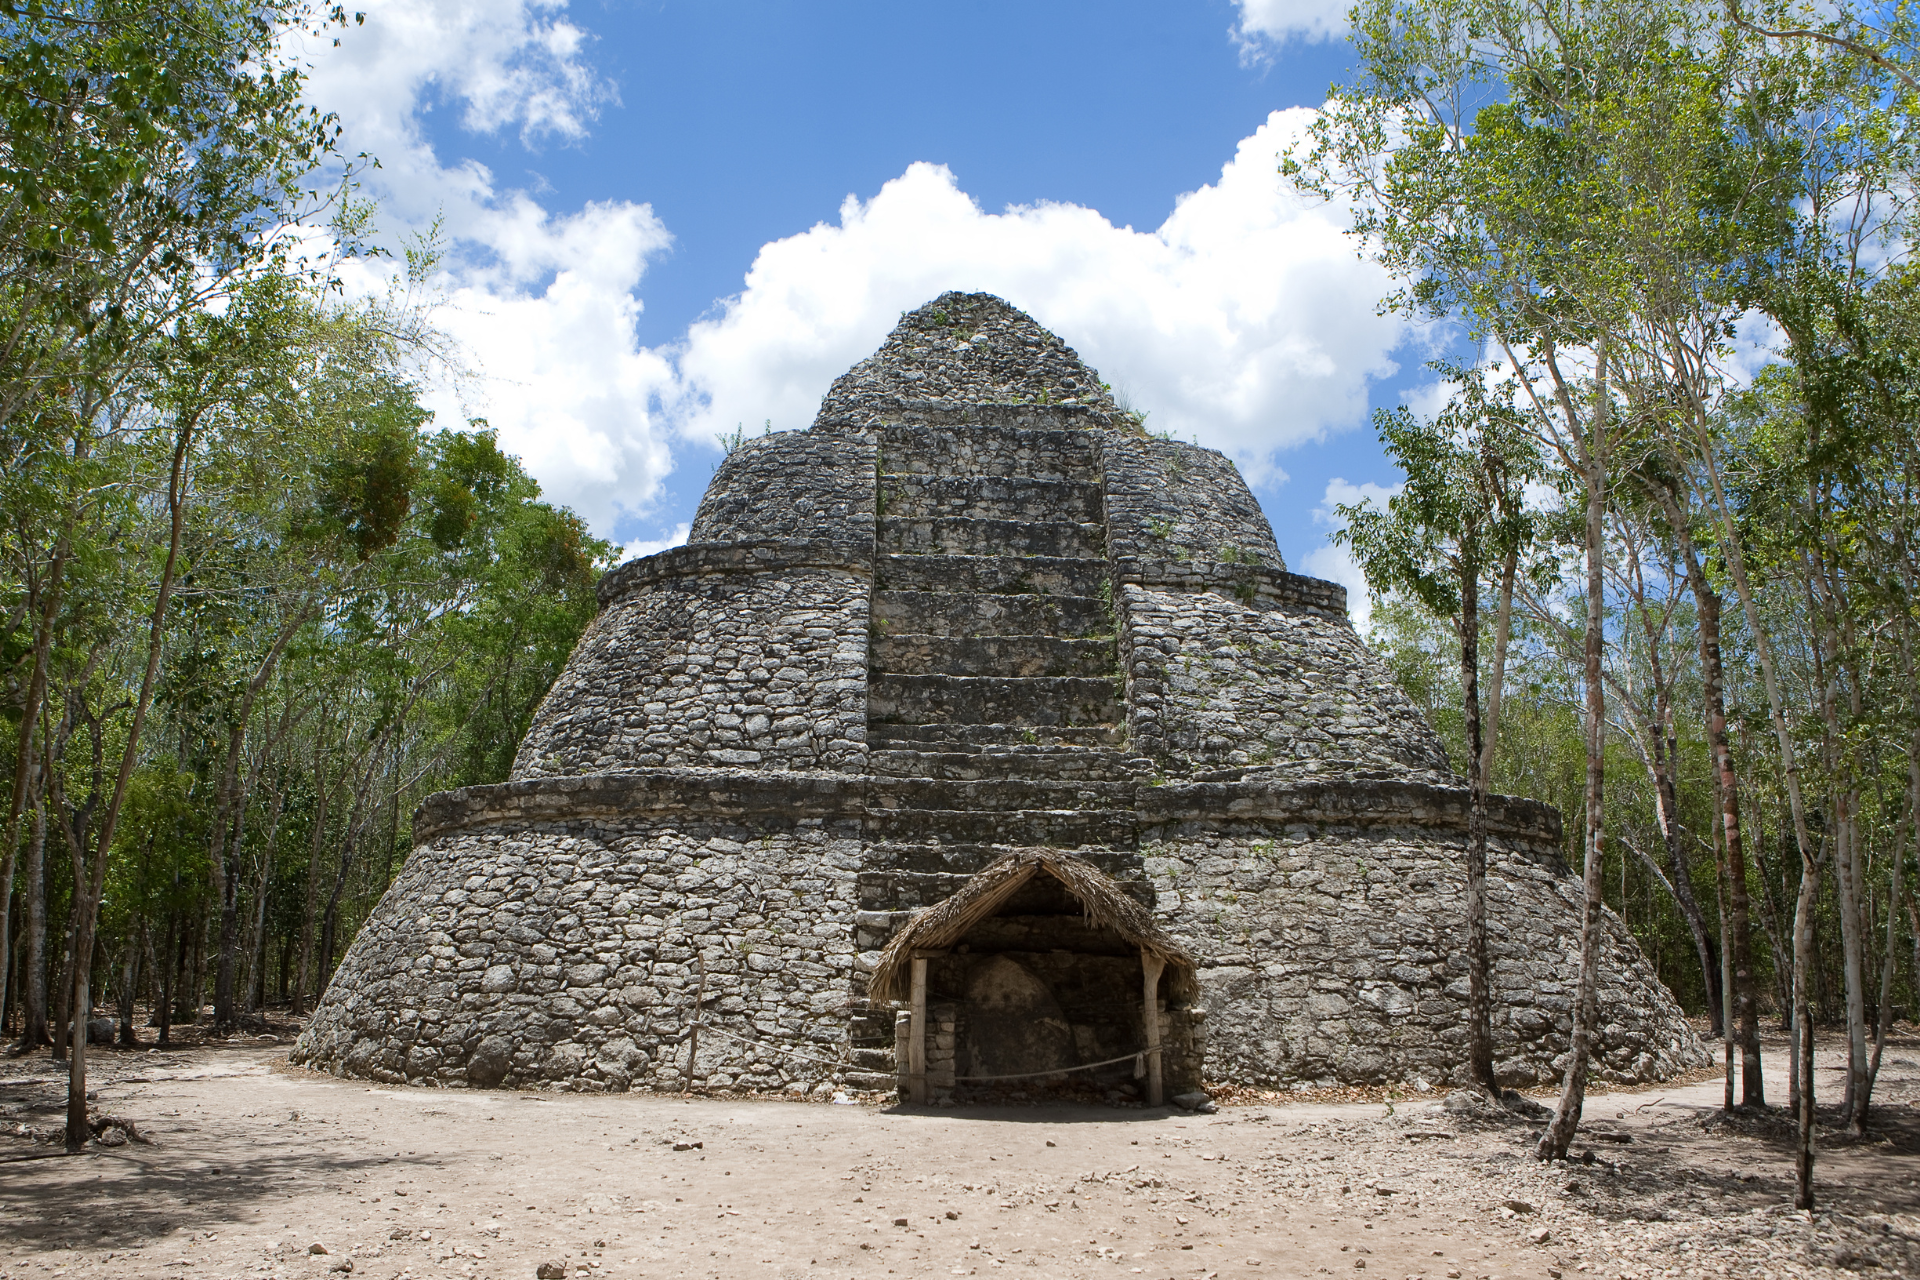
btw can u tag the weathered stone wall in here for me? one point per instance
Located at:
(547, 931)
(1336, 953)
(569, 955)
(1214, 682)
(794, 484)
(763, 668)
(1172, 501)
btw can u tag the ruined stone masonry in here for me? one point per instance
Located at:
(973, 610)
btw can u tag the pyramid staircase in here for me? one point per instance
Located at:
(996, 713)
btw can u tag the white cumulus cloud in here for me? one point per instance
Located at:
(1245, 319)
(1265, 23)
(540, 302)
(653, 546)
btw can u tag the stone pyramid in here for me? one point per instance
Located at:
(975, 609)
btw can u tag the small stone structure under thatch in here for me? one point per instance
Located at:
(990, 948)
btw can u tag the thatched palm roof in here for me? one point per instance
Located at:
(945, 923)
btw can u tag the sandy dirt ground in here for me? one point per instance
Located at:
(256, 1169)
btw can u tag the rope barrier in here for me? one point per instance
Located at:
(1139, 1061)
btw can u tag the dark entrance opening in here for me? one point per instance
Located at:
(1034, 979)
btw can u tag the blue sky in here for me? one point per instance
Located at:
(666, 218)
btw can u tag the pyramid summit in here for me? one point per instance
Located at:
(967, 348)
(976, 740)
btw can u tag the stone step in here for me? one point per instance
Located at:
(880, 1060)
(966, 536)
(1024, 700)
(906, 876)
(1001, 795)
(1015, 575)
(869, 1026)
(974, 737)
(871, 1081)
(993, 655)
(991, 498)
(1052, 828)
(988, 450)
(970, 613)
(1061, 763)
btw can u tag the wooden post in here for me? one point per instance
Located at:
(693, 1031)
(1150, 967)
(917, 1040)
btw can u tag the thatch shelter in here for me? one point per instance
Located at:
(1019, 974)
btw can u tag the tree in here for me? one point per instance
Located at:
(1460, 516)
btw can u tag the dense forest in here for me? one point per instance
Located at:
(1654, 559)
(257, 603)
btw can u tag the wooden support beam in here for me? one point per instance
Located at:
(917, 1039)
(1150, 968)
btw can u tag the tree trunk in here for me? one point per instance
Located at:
(62, 1012)
(169, 971)
(194, 989)
(26, 764)
(226, 885)
(230, 811)
(1828, 671)
(1853, 967)
(87, 889)
(1790, 770)
(1746, 1006)
(1884, 1010)
(1566, 1117)
(130, 982)
(33, 1003)
(77, 1130)
(1803, 961)
(309, 907)
(1479, 977)
(1665, 760)
(7, 870)
(257, 951)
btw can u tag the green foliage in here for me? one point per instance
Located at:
(1461, 510)
(152, 156)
